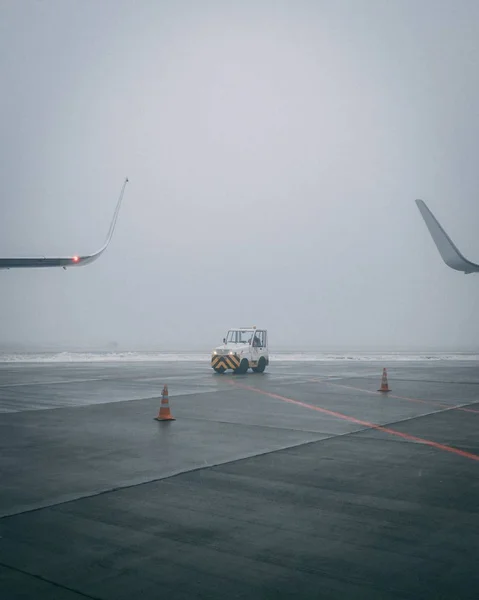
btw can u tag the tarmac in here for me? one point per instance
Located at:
(302, 482)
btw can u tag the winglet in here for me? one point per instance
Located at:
(447, 249)
(32, 262)
(85, 260)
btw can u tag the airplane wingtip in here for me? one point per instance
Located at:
(449, 252)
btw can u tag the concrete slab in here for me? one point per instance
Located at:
(286, 500)
(19, 585)
(59, 455)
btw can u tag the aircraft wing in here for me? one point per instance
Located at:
(31, 262)
(447, 249)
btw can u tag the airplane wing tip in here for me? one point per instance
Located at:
(65, 262)
(446, 247)
(422, 205)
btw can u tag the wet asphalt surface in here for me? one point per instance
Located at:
(303, 482)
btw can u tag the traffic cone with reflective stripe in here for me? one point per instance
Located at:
(384, 383)
(164, 413)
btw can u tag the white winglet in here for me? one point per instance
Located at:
(447, 249)
(32, 262)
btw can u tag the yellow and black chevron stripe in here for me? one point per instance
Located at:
(228, 361)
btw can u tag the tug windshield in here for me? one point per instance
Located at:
(239, 336)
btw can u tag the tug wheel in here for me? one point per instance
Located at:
(244, 366)
(261, 365)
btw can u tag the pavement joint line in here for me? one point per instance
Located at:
(368, 425)
(50, 581)
(93, 404)
(93, 379)
(397, 422)
(436, 381)
(328, 435)
(120, 488)
(375, 376)
(461, 407)
(167, 478)
(233, 460)
(37, 383)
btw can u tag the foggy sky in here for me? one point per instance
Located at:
(274, 151)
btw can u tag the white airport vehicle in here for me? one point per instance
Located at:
(242, 348)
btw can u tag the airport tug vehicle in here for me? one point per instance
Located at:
(242, 348)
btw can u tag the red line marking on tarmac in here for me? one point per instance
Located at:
(469, 410)
(377, 393)
(406, 436)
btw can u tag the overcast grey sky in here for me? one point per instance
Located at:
(274, 150)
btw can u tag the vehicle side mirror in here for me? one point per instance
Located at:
(224, 340)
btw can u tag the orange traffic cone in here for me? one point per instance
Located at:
(164, 413)
(384, 383)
